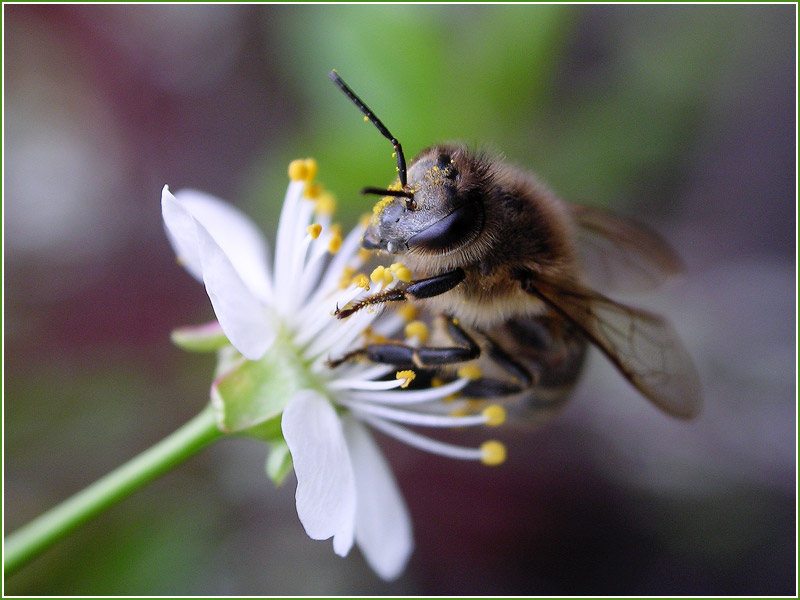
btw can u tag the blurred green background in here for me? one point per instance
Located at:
(680, 116)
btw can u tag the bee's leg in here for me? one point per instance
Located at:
(405, 356)
(421, 288)
(488, 387)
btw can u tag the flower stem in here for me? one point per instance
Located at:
(29, 541)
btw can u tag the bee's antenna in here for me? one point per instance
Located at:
(401, 159)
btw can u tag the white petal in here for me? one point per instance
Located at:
(236, 234)
(182, 233)
(383, 526)
(242, 316)
(326, 489)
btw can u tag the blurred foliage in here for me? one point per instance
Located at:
(509, 78)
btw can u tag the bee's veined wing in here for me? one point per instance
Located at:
(618, 254)
(643, 346)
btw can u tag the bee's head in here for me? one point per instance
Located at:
(435, 205)
(436, 213)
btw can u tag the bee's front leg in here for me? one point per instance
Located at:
(405, 356)
(420, 288)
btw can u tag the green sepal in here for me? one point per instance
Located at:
(253, 392)
(200, 338)
(279, 462)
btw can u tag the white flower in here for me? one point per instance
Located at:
(279, 321)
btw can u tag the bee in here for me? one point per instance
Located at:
(505, 262)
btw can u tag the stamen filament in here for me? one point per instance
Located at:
(413, 418)
(412, 396)
(425, 443)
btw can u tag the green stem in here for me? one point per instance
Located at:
(29, 541)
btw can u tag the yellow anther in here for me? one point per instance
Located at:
(408, 312)
(298, 170)
(417, 329)
(493, 453)
(325, 204)
(471, 372)
(312, 191)
(336, 229)
(311, 169)
(495, 415)
(383, 274)
(437, 382)
(361, 281)
(335, 243)
(377, 274)
(408, 376)
(402, 272)
(314, 230)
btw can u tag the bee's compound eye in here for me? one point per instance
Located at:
(455, 229)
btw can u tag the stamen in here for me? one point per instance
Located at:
(312, 191)
(425, 443)
(311, 169)
(417, 329)
(495, 415)
(493, 453)
(363, 384)
(406, 377)
(298, 170)
(413, 418)
(408, 311)
(413, 396)
(472, 372)
(402, 272)
(314, 230)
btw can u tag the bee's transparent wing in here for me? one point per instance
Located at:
(643, 346)
(618, 254)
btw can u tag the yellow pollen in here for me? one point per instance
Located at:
(298, 170)
(361, 281)
(417, 329)
(402, 272)
(366, 118)
(394, 154)
(383, 274)
(377, 274)
(495, 415)
(325, 204)
(312, 190)
(493, 453)
(379, 206)
(407, 376)
(408, 312)
(471, 372)
(314, 230)
(311, 169)
(335, 243)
